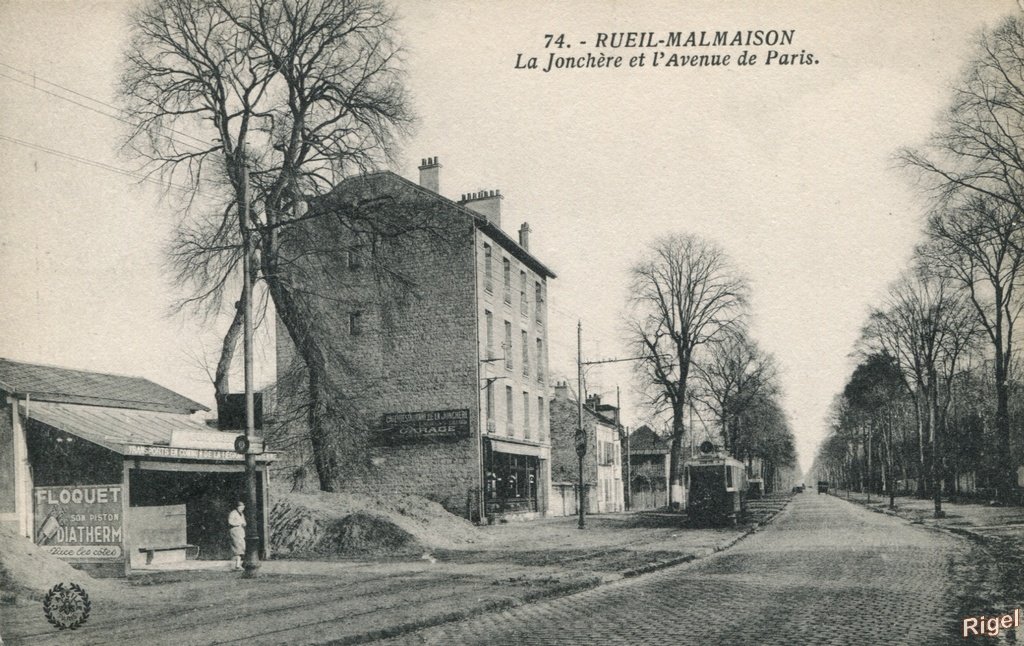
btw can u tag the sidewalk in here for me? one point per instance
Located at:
(351, 602)
(999, 531)
(974, 519)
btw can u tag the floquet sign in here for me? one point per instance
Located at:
(83, 523)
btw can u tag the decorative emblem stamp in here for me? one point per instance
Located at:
(66, 606)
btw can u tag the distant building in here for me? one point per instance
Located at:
(649, 468)
(602, 464)
(445, 365)
(111, 472)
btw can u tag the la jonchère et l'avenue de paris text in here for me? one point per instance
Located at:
(661, 49)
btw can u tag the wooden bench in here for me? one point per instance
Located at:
(168, 553)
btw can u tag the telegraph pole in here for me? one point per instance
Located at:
(628, 489)
(252, 534)
(581, 434)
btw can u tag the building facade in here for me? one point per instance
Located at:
(435, 321)
(649, 469)
(602, 464)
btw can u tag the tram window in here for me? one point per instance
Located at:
(728, 477)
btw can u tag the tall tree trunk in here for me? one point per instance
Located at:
(1005, 480)
(221, 385)
(301, 330)
(936, 444)
(676, 455)
(921, 471)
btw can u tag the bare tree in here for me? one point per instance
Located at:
(927, 327)
(978, 244)
(685, 294)
(294, 94)
(730, 378)
(974, 167)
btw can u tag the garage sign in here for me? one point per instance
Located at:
(424, 426)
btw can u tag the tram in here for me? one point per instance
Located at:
(717, 486)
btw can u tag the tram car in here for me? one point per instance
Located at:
(717, 486)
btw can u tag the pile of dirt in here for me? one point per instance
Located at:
(351, 525)
(27, 569)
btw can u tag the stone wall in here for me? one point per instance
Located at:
(400, 325)
(564, 463)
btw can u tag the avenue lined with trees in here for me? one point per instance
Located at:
(942, 413)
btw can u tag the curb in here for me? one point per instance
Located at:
(951, 529)
(560, 591)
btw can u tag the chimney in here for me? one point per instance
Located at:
(430, 174)
(486, 203)
(611, 411)
(231, 411)
(562, 391)
(594, 402)
(524, 236)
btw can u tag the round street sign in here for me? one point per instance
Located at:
(581, 442)
(241, 444)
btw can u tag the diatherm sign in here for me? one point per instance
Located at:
(83, 523)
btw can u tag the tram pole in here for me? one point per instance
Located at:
(581, 434)
(252, 535)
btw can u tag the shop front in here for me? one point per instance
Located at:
(513, 474)
(116, 489)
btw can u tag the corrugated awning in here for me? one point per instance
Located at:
(133, 432)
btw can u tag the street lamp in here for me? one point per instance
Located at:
(252, 535)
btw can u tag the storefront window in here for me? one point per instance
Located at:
(510, 483)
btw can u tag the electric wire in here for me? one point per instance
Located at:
(117, 110)
(101, 165)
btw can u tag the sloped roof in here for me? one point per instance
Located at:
(49, 383)
(135, 432)
(645, 440)
(113, 428)
(496, 233)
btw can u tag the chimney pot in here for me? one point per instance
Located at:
(524, 236)
(430, 174)
(486, 203)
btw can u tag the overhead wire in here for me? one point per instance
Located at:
(119, 116)
(101, 165)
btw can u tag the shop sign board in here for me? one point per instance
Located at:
(177, 453)
(424, 426)
(81, 523)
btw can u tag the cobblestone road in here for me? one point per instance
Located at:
(825, 572)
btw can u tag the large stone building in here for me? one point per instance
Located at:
(435, 324)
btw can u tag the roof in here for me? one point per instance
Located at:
(495, 232)
(137, 432)
(49, 383)
(645, 440)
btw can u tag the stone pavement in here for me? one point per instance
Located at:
(356, 601)
(825, 572)
(998, 532)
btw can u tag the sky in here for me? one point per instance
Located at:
(790, 169)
